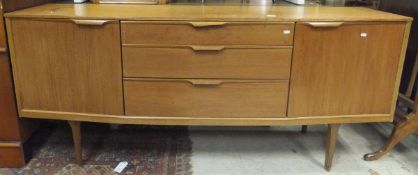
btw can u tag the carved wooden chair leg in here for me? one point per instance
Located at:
(331, 141)
(401, 130)
(304, 129)
(76, 131)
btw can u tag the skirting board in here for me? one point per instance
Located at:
(11, 155)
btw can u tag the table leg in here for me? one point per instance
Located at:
(304, 129)
(331, 142)
(401, 130)
(76, 131)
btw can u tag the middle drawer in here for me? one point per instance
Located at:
(239, 62)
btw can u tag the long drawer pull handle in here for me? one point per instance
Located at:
(206, 82)
(207, 24)
(207, 48)
(90, 22)
(325, 24)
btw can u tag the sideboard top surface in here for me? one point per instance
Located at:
(208, 13)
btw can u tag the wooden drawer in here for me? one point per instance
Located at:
(208, 33)
(207, 62)
(205, 98)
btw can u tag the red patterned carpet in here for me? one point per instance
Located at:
(149, 151)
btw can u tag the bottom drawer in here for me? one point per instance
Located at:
(205, 98)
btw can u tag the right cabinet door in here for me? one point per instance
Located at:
(344, 68)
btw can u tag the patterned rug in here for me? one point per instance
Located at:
(149, 151)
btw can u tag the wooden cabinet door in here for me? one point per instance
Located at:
(63, 66)
(344, 70)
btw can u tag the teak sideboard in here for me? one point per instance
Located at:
(207, 65)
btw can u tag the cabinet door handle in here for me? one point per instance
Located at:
(206, 82)
(325, 24)
(207, 48)
(90, 22)
(206, 24)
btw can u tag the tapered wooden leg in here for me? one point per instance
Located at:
(304, 129)
(331, 141)
(401, 130)
(76, 130)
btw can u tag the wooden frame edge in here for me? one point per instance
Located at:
(10, 43)
(188, 22)
(225, 46)
(186, 121)
(10, 144)
(400, 67)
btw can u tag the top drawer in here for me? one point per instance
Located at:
(207, 33)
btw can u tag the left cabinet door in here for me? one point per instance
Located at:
(67, 65)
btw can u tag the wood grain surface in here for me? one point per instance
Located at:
(226, 33)
(205, 98)
(9, 125)
(72, 68)
(345, 70)
(210, 13)
(184, 62)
